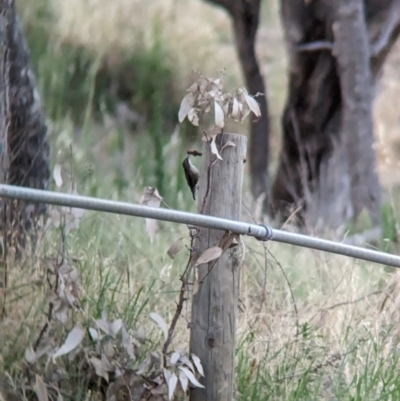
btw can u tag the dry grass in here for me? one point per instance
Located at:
(312, 317)
(197, 35)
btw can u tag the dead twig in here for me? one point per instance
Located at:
(59, 262)
(344, 303)
(181, 299)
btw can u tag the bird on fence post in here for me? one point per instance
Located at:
(191, 174)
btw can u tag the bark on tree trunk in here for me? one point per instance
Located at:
(245, 19)
(327, 167)
(23, 136)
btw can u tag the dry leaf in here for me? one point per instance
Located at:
(186, 105)
(127, 343)
(252, 103)
(115, 327)
(161, 322)
(228, 240)
(104, 326)
(174, 358)
(214, 149)
(244, 111)
(184, 381)
(198, 364)
(193, 116)
(140, 335)
(218, 82)
(94, 335)
(106, 363)
(208, 255)
(74, 338)
(99, 368)
(151, 198)
(235, 109)
(175, 248)
(57, 175)
(228, 144)
(30, 355)
(193, 88)
(188, 363)
(191, 377)
(172, 382)
(219, 115)
(144, 366)
(167, 374)
(40, 389)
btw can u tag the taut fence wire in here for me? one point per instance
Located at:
(261, 232)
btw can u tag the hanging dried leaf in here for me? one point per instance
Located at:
(214, 149)
(193, 116)
(174, 358)
(161, 322)
(172, 382)
(191, 377)
(186, 105)
(73, 339)
(99, 368)
(228, 144)
(244, 111)
(208, 255)
(175, 248)
(219, 115)
(214, 91)
(252, 103)
(219, 83)
(187, 362)
(198, 364)
(40, 389)
(151, 198)
(184, 381)
(193, 88)
(227, 240)
(235, 109)
(203, 84)
(57, 175)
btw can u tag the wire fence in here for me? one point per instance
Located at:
(261, 232)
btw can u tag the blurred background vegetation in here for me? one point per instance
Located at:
(111, 75)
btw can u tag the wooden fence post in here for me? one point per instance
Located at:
(212, 336)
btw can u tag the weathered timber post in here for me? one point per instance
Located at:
(213, 327)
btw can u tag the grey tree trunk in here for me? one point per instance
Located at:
(24, 148)
(245, 16)
(327, 172)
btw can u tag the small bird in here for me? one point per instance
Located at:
(191, 174)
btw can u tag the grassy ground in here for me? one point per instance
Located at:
(311, 326)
